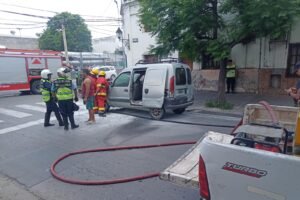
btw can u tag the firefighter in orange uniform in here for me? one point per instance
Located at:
(101, 93)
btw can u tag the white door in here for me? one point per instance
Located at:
(154, 87)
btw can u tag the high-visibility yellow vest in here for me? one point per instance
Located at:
(46, 93)
(63, 89)
(231, 71)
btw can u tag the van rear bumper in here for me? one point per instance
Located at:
(177, 103)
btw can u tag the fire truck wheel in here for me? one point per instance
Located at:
(35, 87)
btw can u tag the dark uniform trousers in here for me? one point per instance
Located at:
(52, 106)
(67, 111)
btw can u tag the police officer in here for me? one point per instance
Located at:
(63, 89)
(48, 99)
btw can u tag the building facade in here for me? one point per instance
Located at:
(136, 41)
(264, 65)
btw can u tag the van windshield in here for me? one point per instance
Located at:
(180, 76)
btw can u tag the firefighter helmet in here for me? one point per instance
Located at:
(45, 73)
(102, 73)
(95, 71)
(61, 72)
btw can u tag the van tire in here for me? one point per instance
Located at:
(179, 111)
(157, 113)
(35, 87)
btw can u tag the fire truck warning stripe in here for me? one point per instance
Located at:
(14, 113)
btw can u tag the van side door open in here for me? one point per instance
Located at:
(154, 87)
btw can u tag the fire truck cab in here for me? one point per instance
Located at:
(20, 70)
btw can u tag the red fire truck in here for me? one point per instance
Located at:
(20, 70)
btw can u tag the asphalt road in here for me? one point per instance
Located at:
(27, 150)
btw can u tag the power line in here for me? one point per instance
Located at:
(18, 24)
(50, 11)
(29, 15)
(28, 7)
(37, 27)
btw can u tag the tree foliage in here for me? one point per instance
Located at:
(213, 27)
(197, 26)
(77, 34)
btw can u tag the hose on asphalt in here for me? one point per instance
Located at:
(176, 122)
(128, 179)
(114, 181)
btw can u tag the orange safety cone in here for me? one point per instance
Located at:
(296, 144)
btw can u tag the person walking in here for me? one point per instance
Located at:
(101, 93)
(88, 92)
(63, 89)
(230, 76)
(51, 105)
(294, 92)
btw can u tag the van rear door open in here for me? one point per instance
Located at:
(154, 87)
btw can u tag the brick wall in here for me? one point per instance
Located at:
(267, 81)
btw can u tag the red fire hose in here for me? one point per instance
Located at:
(107, 182)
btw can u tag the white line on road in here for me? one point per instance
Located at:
(21, 126)
(32, 123)
(34, 108)
(1, 121)
(41, 103)
(14, 113)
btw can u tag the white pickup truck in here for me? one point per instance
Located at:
(252, 165)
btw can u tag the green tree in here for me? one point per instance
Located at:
(212, 27)
(77, 34)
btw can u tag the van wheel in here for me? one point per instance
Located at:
(35, 87)
(179, 111)
(157, 113)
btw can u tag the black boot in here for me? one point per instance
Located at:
(72, 121)
(66, 123)
(59, 119)
(47, 119)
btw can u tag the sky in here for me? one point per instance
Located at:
(100, 15)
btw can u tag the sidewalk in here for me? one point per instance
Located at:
(238, 99)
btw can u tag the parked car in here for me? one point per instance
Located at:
(153, 87)
(110, 71)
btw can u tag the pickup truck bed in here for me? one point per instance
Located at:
(237, 172)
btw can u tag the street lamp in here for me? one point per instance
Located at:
(126, 42)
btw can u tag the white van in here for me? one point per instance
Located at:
(154, 87)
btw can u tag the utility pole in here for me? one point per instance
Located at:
(65, 43)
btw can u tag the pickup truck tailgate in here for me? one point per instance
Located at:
(184, 171)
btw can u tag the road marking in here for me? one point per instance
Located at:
(41, 103)
(14, 113)
(32, 123)
(1, 121)
(21, 126)
(34, 108)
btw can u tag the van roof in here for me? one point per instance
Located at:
(157, 65)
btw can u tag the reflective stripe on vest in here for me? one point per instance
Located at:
(63, 89)
(230, 71)
(45, 92)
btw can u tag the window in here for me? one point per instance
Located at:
(293, 57)
(180, 76)
(122, 80)
(209, 63)
(189, 76)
